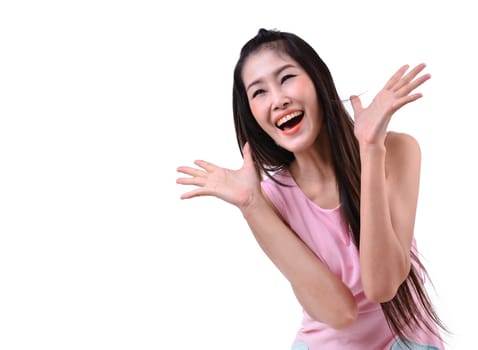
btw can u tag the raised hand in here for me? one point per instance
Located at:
(237, 187)
(371, 123)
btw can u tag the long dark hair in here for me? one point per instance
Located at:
(403, 312)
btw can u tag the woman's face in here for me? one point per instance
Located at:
(283, 99)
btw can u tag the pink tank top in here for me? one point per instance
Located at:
(328, 236)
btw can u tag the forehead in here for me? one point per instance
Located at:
(264, 63)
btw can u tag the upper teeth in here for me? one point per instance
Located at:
(287, 118)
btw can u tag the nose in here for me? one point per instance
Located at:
(280, 100)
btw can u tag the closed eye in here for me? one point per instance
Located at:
(257, 92)
(285, 77)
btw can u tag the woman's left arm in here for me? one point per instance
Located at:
(389, 186)
(389, 195)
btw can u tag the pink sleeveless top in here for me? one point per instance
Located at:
(328, 236)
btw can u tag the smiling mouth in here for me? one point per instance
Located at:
(289, 121)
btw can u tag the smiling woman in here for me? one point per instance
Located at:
(324, 196)
(273, 81)
(102, 100)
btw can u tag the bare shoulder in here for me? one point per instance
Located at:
(403, 152)
(398, 144)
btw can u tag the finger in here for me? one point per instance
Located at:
(246, 153)
(246, 148)
(199, 192)
(196, 181)
(190, 171)
(406, 89)
(205, 165)
(405, 100)
(409, 77)
(356, 103)
(249, 162)
(396, 77)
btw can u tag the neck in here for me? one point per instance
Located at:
(315, 164)
(313, 172)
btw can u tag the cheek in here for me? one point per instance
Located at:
(306, 90)
(312, 100)
(254, 108)
(259, 113)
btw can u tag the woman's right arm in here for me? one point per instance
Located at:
(322, 294)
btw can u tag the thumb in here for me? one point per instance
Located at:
(249, 161)
(246, 153)
(356, 103)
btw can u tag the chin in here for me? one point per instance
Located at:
(300, 146)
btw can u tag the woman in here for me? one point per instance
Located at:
(330, 199)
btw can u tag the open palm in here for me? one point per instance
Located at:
(371, 123)
(233, 186)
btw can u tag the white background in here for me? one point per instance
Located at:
(100, 101)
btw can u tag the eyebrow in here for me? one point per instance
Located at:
(275, 73)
